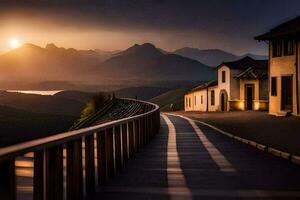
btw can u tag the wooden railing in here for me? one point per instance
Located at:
(74, 158)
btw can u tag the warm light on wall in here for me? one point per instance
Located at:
(241, 105)
(256, 106)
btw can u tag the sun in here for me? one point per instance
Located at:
(14, 43)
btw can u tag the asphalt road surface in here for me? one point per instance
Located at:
(187, 160)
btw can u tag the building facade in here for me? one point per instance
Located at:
(202, 98)
(284, 69)
(241, 85)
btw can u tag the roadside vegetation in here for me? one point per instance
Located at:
(171, 100)
(92, 106)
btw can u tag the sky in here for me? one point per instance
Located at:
(169, 24)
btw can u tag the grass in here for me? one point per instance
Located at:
(19, 126)
(174, 97)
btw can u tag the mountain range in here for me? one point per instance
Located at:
(141, 63)
(213, 57)
(146, 62)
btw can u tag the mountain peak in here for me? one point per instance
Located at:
(29, 45)
(51, 46)
(144, 50)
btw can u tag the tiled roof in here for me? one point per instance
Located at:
(246, 63)
(288, 28)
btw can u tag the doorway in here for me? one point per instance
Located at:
(223, 100)
(249, 96)
(287, 93)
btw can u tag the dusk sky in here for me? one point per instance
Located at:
(169, 24)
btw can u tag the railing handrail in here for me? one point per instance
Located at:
(62, 138)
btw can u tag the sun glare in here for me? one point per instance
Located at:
(14, 43)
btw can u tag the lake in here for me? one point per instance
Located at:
(40, 92)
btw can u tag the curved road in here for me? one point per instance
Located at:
(187, 160)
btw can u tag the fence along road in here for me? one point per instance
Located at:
(188, 160)
(70, 165)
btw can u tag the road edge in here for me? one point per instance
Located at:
(265, 148)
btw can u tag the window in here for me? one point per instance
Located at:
(186, 102)
(189, 102)
(212, 98)
(277, 48)
(195, 100)
(274, 86)
(201, 99)
(288, 47)
(223, 76)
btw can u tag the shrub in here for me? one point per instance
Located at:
(95, 104)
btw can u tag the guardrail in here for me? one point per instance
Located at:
(111, 144)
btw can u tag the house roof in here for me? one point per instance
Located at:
(204, 86)
(251, 74)
(245, 63)
(289, 28)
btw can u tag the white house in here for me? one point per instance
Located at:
(241, 85)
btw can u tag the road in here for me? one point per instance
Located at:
(187, 160)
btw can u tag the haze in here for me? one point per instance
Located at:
(110, 25)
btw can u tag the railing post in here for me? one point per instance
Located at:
(137, 135)
(118, 153)
(109, 146)
(125, 142)
(89, 165)
(7, 180)
(131, 139)
(38, 175)
(142, 132)
(54, 173)
(147, 122)
(74, 170)
(101, 158)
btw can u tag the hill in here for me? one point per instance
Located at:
(212, 57)
(53, 105)
(142, 93)
(80, 96)
(146, 62)
(19, 125)
(174, 97)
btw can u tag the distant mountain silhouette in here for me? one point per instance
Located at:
(212, 57)
(254, 56)
(149, 63)
(31, 62)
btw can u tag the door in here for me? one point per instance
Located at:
(286, 93)
(222, 102)
(249, 96)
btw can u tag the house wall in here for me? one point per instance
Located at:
(234, 85)
(188, 102)
(201, 106)
(195, 98)
(224, 86)
(259, 87)
(281, 66)
(215, 107)
(264, 89)
(242, 88)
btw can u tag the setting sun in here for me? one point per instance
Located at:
(14, 43)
